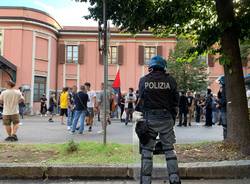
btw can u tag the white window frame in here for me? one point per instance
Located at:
(72, 61)
(149, 46)
(111, 60)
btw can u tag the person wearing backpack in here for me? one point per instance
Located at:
(80, 101)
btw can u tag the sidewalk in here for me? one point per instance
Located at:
(206, 170)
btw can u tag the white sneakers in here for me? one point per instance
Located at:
(100, 132)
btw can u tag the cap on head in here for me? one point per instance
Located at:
(157, 61)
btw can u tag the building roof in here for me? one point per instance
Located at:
(91, 29)
(30, 15)
(9, 67)
(7, 63)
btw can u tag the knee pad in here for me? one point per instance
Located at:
(170, 155)
(147, 153)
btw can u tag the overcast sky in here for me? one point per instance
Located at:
(66, 12)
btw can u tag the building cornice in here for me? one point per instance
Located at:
(29, 9)
(116, 33)
(29, 21)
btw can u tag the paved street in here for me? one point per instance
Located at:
(39, 130)
(242, 181)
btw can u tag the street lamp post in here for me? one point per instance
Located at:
(105, 61)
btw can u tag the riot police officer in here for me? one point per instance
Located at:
(223, 105)
(159, 98)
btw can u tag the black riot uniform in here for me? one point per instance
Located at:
(159, 96)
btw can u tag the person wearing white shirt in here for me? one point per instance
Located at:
(91, 106)
(10, 98)
(130, 100)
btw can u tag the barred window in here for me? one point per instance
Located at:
(39, 87)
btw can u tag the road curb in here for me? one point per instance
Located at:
(206, 170)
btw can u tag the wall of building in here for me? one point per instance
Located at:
(92, 71)
(31, 44)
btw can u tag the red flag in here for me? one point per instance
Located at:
(117, 81)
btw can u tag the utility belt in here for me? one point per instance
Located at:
(157, 112)
(142, 132)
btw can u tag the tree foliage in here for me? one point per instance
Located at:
(195, 18)
(190, 72)
(245, 50)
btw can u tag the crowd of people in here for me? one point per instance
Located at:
(192, 108)
(76, 105)
(81, 106)
(198, 107)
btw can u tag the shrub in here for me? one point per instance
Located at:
(72, 147)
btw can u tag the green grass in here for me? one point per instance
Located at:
(89, 153)
(92, 153)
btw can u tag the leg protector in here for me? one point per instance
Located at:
(146, 166)
(172, 166)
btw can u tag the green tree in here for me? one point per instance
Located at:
(209, 22)
(190, 72)
(245, 50)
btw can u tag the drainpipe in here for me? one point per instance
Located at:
(57, 65)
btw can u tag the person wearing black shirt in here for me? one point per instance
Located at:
(208, 107)
(223, 106)
(43, 101)
(158, 98)
(80, 101)
(183, 109)
(122, 105)
(197, 104)
(52, 105)
(190, 99)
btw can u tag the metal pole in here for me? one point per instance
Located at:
(105, 61)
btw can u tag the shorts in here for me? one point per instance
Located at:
(8, 119)
(90, 112)
(51, 109)
(64, 112)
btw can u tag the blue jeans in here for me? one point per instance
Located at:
(77, 115)
(215, 117)
(70, 117)
(224, 123)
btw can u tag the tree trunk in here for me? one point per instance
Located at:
(237, 110)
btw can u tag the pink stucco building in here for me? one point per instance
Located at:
(47, 56)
